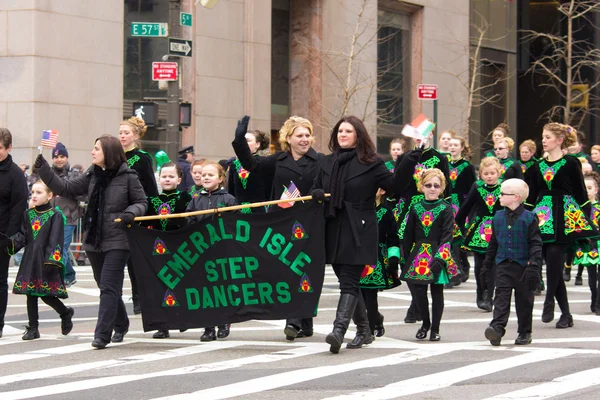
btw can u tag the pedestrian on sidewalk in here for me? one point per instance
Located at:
(42, 269)
(516, 249)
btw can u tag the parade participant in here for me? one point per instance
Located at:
(462, 176)
(588, 257)
(576, 149)
(527, 151)
(169, 201)
(185, 160)
(13, 203)
(510, 167)
(114, 191)
(516, 250)
(396, 150)
(196, 171)
(427, 243)
(71, 208)
(130, 133)
(417, 161)
(212, 196)
(297, 163)
(246, 186)
(42, 236)
(384, 274)
(558, 193)
(500, 132)
(595, 156)
(444, 141)
(352, 174)
(480, 206)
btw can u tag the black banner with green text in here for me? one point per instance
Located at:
(231, 268)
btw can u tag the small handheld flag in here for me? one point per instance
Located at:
(49, 138)
(290, 192)
(419, 128)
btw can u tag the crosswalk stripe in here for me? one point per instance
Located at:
(440, 380)
(87, 384)
(42, 353)
(306, 374)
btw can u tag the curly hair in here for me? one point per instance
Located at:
(490, 162)
(530, 144)
(594, 176)
(428, 175)
(562, 131)
(288, 128)
(466, 149)
(137, 124)
(504, 128)
(509, 142)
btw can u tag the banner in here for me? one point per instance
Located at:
(231, 268)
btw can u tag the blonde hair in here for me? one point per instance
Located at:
(595, 147)
(593, 176)
(490, 162)
(428, 175)
(509, 142)
(466, 151)
(288, 128)
(138, 125)
(531, 146)
(397, 140)
(518, 186)
(504, 128)
(219, 168)
(562, 131)
(41, 182)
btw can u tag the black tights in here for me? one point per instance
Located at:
(419, 294)
(370, 296)
(491, 278)
(594, 284)
(554, 254)
(32, 308)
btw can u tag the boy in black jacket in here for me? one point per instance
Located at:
(516, 248)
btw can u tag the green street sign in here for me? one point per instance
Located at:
(185, 19)
(150, 29)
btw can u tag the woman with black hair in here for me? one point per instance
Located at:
(352, 174)
(114, 191)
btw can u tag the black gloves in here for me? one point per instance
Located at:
(436, 265)
(127, 219)
(242, 128)
(531, 276)
(318, 195)
(39, 161)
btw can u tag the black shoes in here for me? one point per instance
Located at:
(99, 343)
(567, 274)
(118, 336)
(223, 331)
(523, 339)
(161, 334)
(565, 321)
(31, 333)
(379, 330)
(137, 308)
(578, 281)
(486, 305)
(434, 337)
(304, 333)
(493, 335)
(548, 311)
(421, 333)
(291, 332)
(209, 334)
(66, 322)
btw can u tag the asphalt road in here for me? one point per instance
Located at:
(256, 361)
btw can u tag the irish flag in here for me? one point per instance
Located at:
(423, 125)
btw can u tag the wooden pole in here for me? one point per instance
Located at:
(219, 210)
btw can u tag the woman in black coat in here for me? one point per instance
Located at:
(114, 191)
(352, 174)
(297, 164)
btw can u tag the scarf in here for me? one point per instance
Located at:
(92, 222)
(341, 163)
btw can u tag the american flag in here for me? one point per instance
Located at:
(49, 138)
(290, 192)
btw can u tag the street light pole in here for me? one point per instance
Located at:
(173, 86)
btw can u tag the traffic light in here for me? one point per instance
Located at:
(146, 110)
(185, 114)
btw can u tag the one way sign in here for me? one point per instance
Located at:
(180, 47)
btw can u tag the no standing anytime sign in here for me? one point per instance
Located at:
(164, 71)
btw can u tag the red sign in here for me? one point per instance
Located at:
(427, 92)
(164, 71)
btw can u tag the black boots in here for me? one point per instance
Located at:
(548, 311)
(31, 332)
(66, 322)
(209, 334)
(223, 331)
(363, 331)
(345, 310)
(565, 321)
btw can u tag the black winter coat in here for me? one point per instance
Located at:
(282, 166)
(13, 196)
(248, 187)
(352, 236)
(141, 162)
(208, 201)
(123, 194)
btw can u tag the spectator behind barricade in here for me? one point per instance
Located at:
(71, 208)
(78, 168)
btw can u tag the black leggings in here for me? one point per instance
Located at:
(349, 278)
(419, 294)
(593, 284)
(370, 296)
(491, 278)
(32, 308)
(554, 254)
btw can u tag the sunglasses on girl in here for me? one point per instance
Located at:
(432, 185)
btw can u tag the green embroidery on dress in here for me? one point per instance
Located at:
(38, 219)
(575, 219)
(415, 199)
(390, 165)
(489, 198)
(380, 213)
(428, 217)
(242, 174)
(543, 210)
(428, 164)
(131, 161)
(246, 210)
(456, 171)
(506, 165)
(549, 172)
(164, 208)
(481, 238)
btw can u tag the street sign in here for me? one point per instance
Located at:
(185, 19)
(180, 47)
(427, 92)
(164, 71)
(150, 29)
